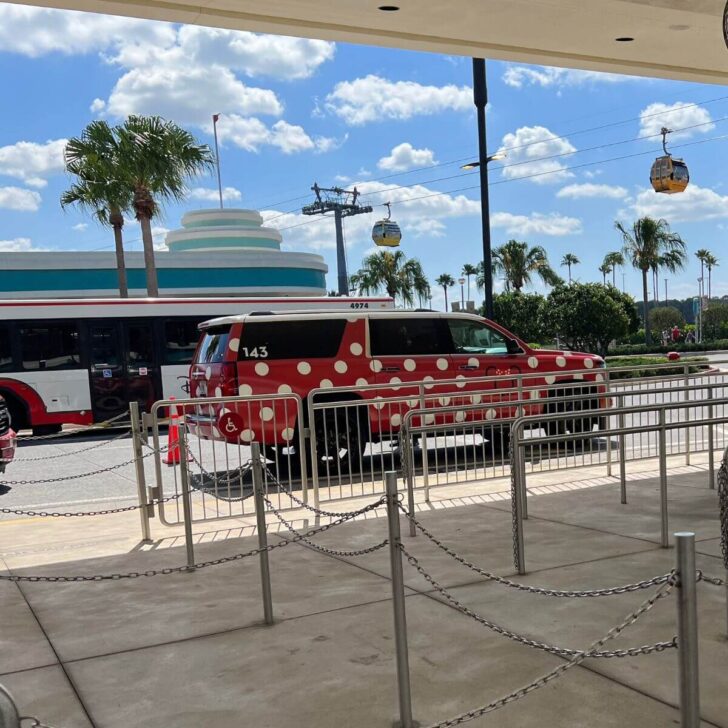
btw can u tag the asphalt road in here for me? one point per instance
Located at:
(65, 463)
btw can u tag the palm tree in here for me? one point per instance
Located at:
(710, 262)
(469, 270)
(649, 242)
(517, 262)
(93, 158)
(393, 272)
(446, 281)
(568, 260)
(614, 259)
(156, 158)
(605, 269)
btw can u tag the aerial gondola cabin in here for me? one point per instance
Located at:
(386, 233)
(668, 175)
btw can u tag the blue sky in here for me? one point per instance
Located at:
(392, 122)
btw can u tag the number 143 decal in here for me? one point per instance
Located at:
(257, 352)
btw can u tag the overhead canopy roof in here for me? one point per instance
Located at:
(679, 39)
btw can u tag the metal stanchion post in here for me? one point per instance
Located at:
(686, 369)
(184, 478)
(622, 454)
(687, 631)
(711, 443)
(662, 454)
(409, 470)
(136, 439)
(400, 619)
(258, 491)
(424, 446)
(517, 502)
(609, 439)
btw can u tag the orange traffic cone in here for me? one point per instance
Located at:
(173, 449)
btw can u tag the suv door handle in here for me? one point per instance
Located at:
(467, 367)
(390, 369)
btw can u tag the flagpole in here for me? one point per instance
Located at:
(215, 117)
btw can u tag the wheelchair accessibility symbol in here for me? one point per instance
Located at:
(230, 425)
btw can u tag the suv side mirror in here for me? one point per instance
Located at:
(513, 347)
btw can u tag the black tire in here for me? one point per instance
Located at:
(18, 412)
(341, 437)
(576, 425)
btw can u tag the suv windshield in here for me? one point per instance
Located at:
(474, 337)
(214, 345)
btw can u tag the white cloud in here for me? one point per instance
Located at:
(19, 199)
(211, 194)
(80, 227)
(97, 106)
(31, 162)
(529, 149)
(425, 228)
(374, 98)
(695, 204)
(16, 245)
(159, 235)
(674, 116)
(536, 224)
(187, 93)
(250, 133)
(588, 189)
(404, 157)
(547, 76)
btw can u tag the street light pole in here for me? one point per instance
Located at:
(461, 281)
(480, 98)
(215, 119)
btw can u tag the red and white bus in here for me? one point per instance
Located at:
(80, 361)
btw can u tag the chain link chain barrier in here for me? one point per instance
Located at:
(723, 505)
(607, 592)
(65, 433)
(324, 549)
(194, 567)
(34, 722)
(711, 579)
(559, 651)
(578, 657)
(74, 452)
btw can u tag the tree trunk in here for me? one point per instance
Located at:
(710, 271)
(468, 286)
(604, 278)
(444, 288)
(569, 266)
(117, 222)
(614, 276)
(149, 264)
(646, 312)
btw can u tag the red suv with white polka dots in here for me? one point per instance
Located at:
(284, 353)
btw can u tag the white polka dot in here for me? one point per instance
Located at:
(262, 369)
(395, 380)
(356, 349)
(490, 414)
(533, 362)
(442, 364)
(428, 379)
(326, 384)
(303, 367)
(578, 375)
(361, 382)
(375, 365)
(460, 384)
(550, 378)
(560, 361)
(599, 377)
(535, 394)
(266, 414)
(285, 389)
(473, 362)
(589, 363)
(413, 402)
(352, 319)
(476, 398)
(234, 344)
(444, 401)
(410, 365)
(218, 392)
(208, 373)
(519, 411)
(378, 404)
(429, 419)
(341, 367)
(287, 433)
(247, 435)
(396, 420)
(460, 416)
(245, 390)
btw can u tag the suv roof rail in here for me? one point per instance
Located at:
(424, 310)
(261, 313)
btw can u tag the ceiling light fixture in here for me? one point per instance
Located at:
(389, 8)
(624, 39)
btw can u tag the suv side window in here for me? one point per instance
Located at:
(475, 337)
(311, 339)
(408, 336)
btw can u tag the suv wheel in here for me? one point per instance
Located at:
(341, 436)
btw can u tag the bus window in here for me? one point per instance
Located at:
(104, 345)
(141, 345)
(50, 347)
(6, 357)
(180, 340)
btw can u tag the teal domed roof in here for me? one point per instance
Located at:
(223, 229)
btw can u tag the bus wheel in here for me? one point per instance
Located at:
(18, 412)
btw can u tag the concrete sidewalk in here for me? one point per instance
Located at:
(189, 649)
